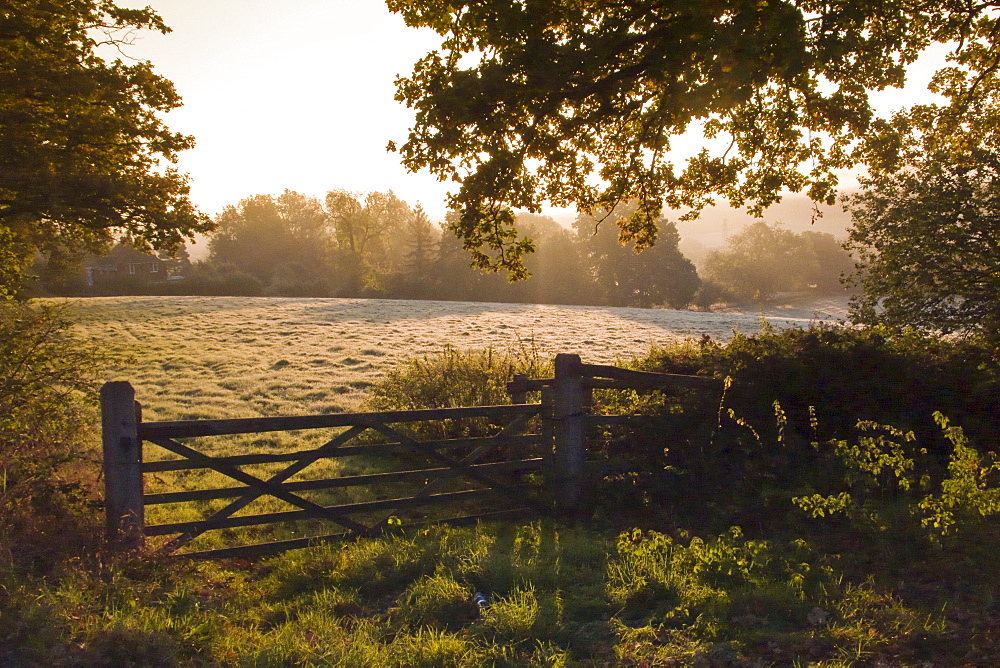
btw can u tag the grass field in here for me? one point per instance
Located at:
(560, 592)
(212, 357)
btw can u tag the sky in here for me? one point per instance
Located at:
(296, 94)
(299, 95)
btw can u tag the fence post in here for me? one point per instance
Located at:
(122, 465)
(518, 389)
(570, 446)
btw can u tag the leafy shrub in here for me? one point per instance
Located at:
(970, 491)
(47, 383)
(296, 279)
(889, 471)
(221, 279)
(784, 392)
(13, 263)
(848, 375)
(457, 378)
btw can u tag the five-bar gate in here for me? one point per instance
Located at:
(533, 463)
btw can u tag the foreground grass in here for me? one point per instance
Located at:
(557, 595)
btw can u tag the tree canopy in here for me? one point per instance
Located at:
(928, 241)
(268, 237)
(659, 275)
(578, 103)
(84, 154)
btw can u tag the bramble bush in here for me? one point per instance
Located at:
(848, 375)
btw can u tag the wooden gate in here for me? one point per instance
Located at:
(534, 442)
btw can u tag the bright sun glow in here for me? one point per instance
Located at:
(294, 95)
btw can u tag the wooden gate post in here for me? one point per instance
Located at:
(518, 389)
(569, 436)
(122, 465)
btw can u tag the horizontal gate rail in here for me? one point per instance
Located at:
(150, 431)
(348, 481)
(163, 465)
(646, 379)
(362, 506)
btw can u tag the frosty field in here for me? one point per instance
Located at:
(212, 357)
(209, 357)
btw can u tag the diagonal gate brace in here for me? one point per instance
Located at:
(262, 487)
(462, 465)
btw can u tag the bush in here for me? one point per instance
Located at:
(457, 378)
(295, 279)
(224, 280)
(848, 375)
(48, 380)
(884, 480)
(753, 450)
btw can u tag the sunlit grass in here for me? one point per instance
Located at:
(215, 357)
(556, 595)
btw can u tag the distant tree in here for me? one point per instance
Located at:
(577, 103)
(832, 265)
(759, 262)
(629, 277)
(362, 225)
(453, 278)
(261, 234)
(560, 273)
(84, 156)
(368, 234)
(419, 240)
(928, 242)
(537, 226)
(346, 213)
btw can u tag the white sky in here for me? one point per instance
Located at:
(296, 94)
(299, 95)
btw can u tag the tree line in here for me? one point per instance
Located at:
(376, 245)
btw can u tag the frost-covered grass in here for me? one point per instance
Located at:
(213, 357)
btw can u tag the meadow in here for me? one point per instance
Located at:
(213, 357)
(194, 358)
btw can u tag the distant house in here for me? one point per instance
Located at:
(124, 263)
